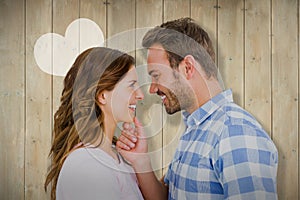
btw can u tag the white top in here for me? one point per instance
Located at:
(90, 173)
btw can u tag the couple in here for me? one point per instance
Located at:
(223, 154)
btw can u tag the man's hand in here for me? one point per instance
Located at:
(132, 145)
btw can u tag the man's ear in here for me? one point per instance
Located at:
(102, 98)
(189, 66)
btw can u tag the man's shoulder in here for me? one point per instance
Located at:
(234, 115)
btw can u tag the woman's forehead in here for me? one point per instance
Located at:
(131, 74)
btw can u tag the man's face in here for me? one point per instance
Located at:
(167, 82)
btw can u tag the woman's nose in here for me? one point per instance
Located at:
(139, 94)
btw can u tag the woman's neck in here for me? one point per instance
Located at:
(109, 131)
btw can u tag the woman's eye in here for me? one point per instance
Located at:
(132, 85)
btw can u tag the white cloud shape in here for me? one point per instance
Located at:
(52, 49)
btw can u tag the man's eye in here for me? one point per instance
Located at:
(156, 76)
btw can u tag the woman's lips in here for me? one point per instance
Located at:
(132, 107)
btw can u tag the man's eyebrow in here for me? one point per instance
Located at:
(151, 72)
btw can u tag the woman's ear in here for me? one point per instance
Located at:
(102, 98)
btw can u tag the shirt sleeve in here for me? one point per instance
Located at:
(167, 176)
(87, 180)
(247, 164)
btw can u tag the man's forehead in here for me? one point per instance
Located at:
(157, 59)
(156, 50)
(153, 68)
(156, 46)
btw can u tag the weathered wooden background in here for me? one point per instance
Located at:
(257, 46)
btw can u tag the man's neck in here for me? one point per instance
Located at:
(205, 94)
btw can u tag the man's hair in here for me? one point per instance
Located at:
(182, 37)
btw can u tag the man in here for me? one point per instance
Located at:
(224, 152)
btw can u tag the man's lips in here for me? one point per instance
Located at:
(162, 96)
(160, 93)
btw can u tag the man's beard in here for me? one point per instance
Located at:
(180, 97)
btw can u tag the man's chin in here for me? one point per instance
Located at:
(172, 111)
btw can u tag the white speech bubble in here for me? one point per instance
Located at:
(80, 35)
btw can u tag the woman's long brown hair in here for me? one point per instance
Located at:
(79, 118)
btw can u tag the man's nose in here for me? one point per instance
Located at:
(153, 88)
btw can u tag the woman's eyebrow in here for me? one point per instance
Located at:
(133, 81)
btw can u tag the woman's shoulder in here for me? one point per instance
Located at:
(83, 175)
(86, 158)
(77, 157)
(86, 163)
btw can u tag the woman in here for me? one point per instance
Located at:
(100, 90)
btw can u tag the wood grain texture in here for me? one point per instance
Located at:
(38, 102)
(96, 11)
(285, 95)
(231, 46)
(258, 61)
(257, 49)
(12, 98)
(121, 25)
(205, 13)
(149, 111)
(174, 9)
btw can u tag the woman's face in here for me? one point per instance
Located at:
(123, 98)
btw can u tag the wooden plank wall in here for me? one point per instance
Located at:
(12, 99)
(257, 52)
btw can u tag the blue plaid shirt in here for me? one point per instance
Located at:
(223, 154)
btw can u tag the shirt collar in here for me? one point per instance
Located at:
(199, 115)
